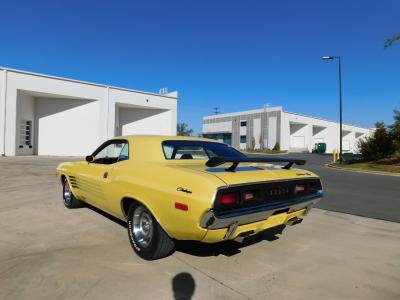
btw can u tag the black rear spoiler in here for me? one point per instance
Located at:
(219, 160)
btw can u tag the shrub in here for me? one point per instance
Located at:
(277, 147)
(378, 145)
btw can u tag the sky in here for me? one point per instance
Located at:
(235, 55)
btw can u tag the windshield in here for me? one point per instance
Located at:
(197, 150)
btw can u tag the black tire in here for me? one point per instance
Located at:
(158, 245)
(68, 197)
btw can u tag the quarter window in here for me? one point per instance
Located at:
(124, 155)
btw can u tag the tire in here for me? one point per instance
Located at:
(68, 197)
(146, 236)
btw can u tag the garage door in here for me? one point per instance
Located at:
(297, 142)
(66, 126)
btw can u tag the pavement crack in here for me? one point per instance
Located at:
(212, 278)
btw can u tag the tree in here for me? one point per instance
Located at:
(183, 129)
(395, 129)
(378, 145)
(390, 41)
(277, 147)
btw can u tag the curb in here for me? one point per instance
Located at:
(364, 171)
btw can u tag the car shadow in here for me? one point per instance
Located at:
(195, 248)
(106, 215)
(227, 248)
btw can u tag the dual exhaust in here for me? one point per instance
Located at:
(245, 235)
(294, 221)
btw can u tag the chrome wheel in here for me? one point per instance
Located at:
(67, 194)
(142, 226)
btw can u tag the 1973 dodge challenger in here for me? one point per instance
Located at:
(183, 188)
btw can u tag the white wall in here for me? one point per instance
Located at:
(66, 126)
(121, 98)
(73, 117)
(3, 75)
(47, 87)
(144, 121)
(257, 132)
(309, 131)
(299, 136)
(319, 134)
(218, 127)
(272, 131)
(330, 135)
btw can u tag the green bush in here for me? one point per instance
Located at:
(379, 145)
(277, 147)
(395, 130)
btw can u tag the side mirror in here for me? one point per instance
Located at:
(89, 158)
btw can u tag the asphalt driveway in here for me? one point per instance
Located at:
(369, 195)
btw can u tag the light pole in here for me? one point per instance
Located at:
(340, 101)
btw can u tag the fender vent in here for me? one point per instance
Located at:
(73, 182)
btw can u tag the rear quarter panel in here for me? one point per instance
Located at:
(155, 185)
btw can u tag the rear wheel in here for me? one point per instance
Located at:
(69, 199)
(147, 238)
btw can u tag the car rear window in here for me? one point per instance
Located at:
(197, 150)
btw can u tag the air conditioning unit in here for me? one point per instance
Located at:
(163, 91)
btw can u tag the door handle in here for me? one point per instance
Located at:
(105, 175)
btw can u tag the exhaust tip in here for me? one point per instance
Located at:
(294, 221)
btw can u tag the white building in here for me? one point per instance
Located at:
(46, 115)
(294, 132)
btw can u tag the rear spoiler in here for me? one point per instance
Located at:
(219, 160)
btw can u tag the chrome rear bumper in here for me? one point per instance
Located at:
(210, 220)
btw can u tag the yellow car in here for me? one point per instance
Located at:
(184, 188)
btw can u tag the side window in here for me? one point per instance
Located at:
(112, 153)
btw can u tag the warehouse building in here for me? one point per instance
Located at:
(46, 115)
(263, 128)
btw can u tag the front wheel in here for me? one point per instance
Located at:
(147, 238)
(69, 199)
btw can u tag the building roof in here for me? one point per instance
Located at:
(173, 95)
(160, 138)
(269, 109)
(245, 112)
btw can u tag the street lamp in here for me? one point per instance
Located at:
(340, 101)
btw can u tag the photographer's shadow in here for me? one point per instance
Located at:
(183, 286)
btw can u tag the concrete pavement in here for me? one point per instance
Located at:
(50, 252)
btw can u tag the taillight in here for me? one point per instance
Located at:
(300, 188)
(229, 199)
(248, 196)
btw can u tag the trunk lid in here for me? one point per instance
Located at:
(249, 172)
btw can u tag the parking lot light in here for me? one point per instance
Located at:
(340, 103)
